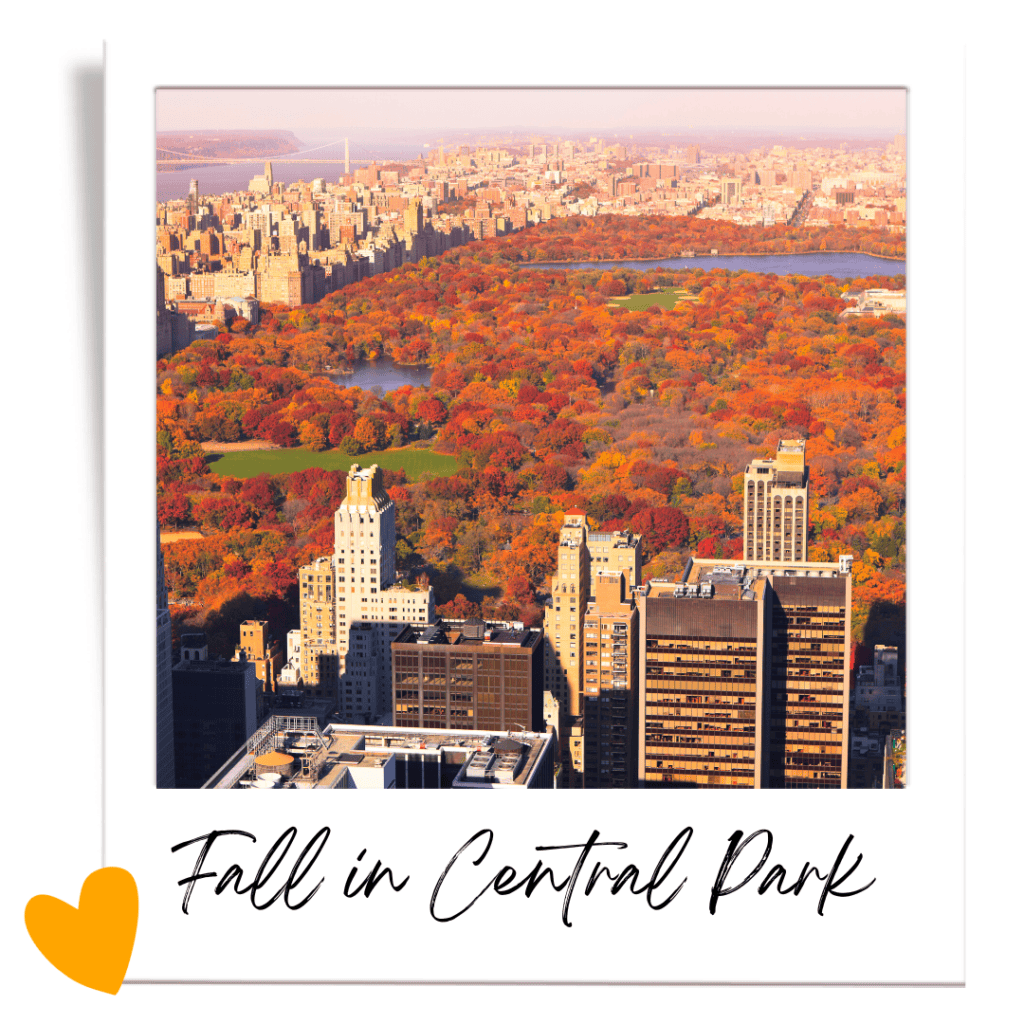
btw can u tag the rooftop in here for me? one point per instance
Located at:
(741, 580)
(291, 752)
(618, 539)
(473, 632)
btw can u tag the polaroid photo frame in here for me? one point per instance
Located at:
(911, 841)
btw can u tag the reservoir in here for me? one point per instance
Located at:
(808, 264)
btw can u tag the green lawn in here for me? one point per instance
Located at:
(667, 298)
(414, 461)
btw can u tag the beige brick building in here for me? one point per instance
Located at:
(775, 506)
(611, 632)
(352, 608)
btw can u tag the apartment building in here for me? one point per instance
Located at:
(618, 551)
(611, 632)
(775, 506)
(352, 607)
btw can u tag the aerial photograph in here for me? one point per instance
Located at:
(531, 438)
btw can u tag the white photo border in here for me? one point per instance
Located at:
(912, 840)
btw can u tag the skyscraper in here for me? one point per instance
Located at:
(703, 684)
(563, 618)
(563, 641)
(351, 608)
(581, 556)
(743, 677)
(775, 506)
(810, 674)
(611, 646)
(263, 183)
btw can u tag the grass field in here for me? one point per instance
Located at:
(415, 462)
(667, 297)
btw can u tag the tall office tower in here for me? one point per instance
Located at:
(693, 154)
(268, 173)
(350, 606)
(214, 712)
(703, 683)
(810, 700)
(619, 551)
(775, 506)
(164, 689)
(193, 197)
(743, 677)
(563, 632)
(611, 632)
(469, 675)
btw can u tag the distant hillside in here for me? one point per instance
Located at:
(228, 143)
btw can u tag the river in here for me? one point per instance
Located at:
(216, 179)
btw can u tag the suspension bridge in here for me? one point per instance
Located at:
(166, 157)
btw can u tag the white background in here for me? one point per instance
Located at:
(906, 928)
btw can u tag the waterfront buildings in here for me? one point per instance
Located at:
(373, 220)
(263, 183)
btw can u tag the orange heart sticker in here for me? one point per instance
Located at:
(91, 943)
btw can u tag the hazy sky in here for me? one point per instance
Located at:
(311, 111)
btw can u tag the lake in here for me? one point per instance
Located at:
(383, 373)
(810, 264)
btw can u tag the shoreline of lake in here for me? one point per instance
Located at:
(708, 256)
